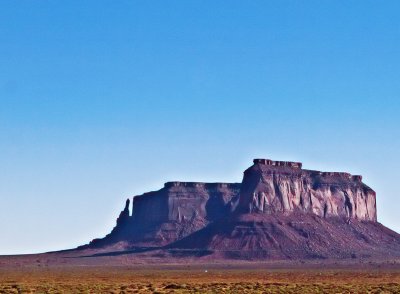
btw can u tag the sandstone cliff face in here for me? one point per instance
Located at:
(182, 201)
(283, 187)
(173, 212)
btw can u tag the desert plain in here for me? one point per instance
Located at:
(85, 272)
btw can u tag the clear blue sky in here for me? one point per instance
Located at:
(104, 100)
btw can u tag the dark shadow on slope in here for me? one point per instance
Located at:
(189, 253)
(173, 252)
(116, 253)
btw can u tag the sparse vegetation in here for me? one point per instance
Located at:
(134, 280)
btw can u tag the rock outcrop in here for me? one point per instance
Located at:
(279, 186)
(171, 213)
(279, 211)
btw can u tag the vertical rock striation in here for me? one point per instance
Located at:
(171, 213)
(283, 187)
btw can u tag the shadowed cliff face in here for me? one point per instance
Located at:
(283, 187)
(182, 201)
(173, 212)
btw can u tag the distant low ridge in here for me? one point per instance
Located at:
(279, 211)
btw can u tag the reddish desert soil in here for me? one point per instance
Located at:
(54, 273)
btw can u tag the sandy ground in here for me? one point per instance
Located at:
(124, 273)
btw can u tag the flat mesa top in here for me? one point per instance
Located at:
(201, 184)
(298, 166)
(278, 163)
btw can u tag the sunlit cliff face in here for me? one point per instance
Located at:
(283, 187)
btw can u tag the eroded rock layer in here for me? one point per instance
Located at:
(283, 187)
(171, 213)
